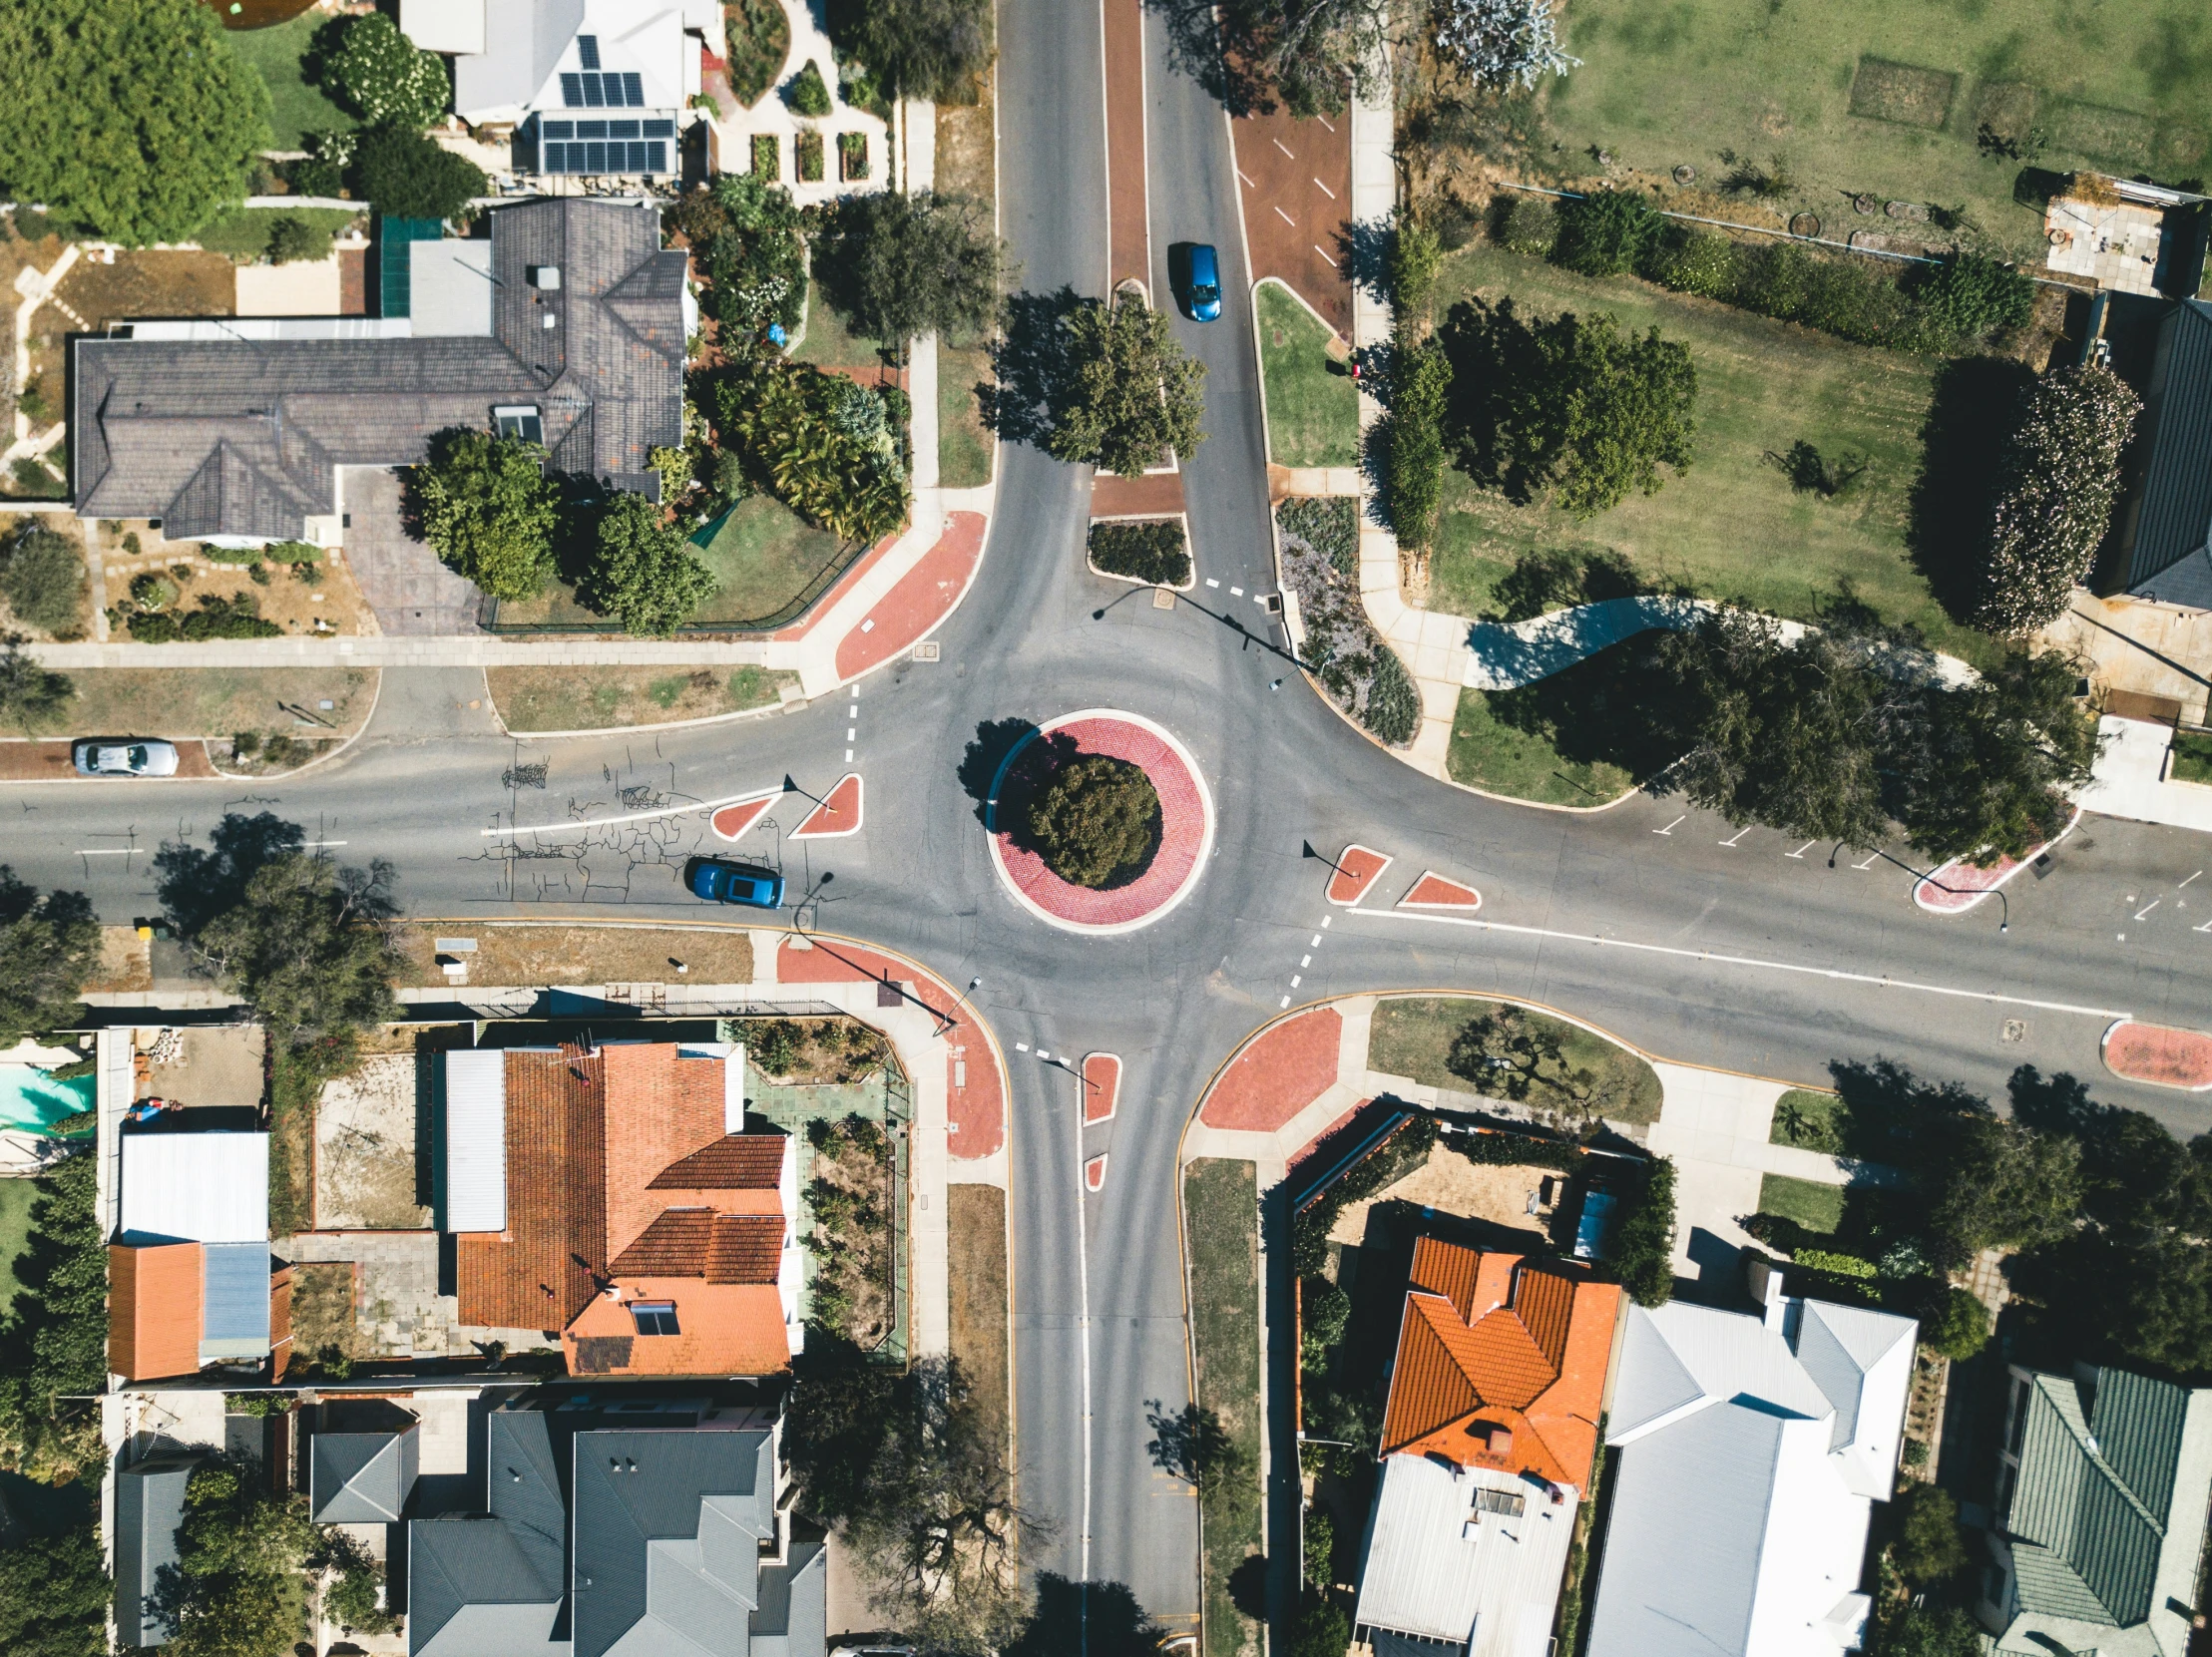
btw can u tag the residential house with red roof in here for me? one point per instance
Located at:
(1487, 1443)
(615, 1194)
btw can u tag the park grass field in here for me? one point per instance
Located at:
(1887, 96)
(1313, 414)
(1732, 528)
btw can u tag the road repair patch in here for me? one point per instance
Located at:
(1432, 891)
(837, 815)
(1101, 1087)
(1357, 868)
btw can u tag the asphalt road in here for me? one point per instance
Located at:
(1683, 936)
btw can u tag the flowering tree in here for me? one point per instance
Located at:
(2056, 486)
(1503, 40)
(386, 77)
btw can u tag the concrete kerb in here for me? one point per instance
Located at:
(1110, 929)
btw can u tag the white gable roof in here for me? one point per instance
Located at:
(533, 43)
(195, 1187)
(1439, 1566)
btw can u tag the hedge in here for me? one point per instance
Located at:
(1385, 1165)
(214, 619)
(1517, 1150)
(276, 551)
(1155, 551)
(1643, 1250)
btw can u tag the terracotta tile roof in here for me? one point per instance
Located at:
(726, 1329)
(746, 1248)
(541, 1269)
(661, 1108)
(697, 1242)
(153, 1296)
(734, 1162)
(1520, 1386)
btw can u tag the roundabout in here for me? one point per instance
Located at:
(1139, 894)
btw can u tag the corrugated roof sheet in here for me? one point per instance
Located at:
(2175, 505)
(148, 1506)
(154, 1310)
(475, 1139)
(201, 1187)
(234, 1305)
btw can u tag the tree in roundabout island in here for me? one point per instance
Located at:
(1093, 819)
(489, 510)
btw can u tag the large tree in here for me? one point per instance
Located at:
(1500, 42)
(1567, 405)
(1128, 396)
(134, 119)
(818, 442)
(906, 266)
(1311, 53)
(53, 1339)
(54, 1595)
(309, 947)
(489, 510)
(405, 173)
(49, 946)
(239, 1552)
(1988, 766)
(643, 569)
(2058, 484)
(384, 75)
(931, 49)
(31, 693)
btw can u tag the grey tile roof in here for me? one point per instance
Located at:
(240, 437)
(473, 1592)
(361, 1478)
(2172, 514)
(793, 1618)
(148, 1506)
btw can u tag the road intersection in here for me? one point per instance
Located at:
(1659, 924)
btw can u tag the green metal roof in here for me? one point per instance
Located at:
(2088, 1510)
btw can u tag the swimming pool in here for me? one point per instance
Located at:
(32, 1098)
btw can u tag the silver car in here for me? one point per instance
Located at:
(124, 756)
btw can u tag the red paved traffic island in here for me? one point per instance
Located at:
(1101, 1087)
(837, 814)
(731, 821)
(1186, 829)
(1432, 891)
(1957, 886)
(2159, 1054)
(1357, 868)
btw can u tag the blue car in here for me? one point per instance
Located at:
(720, 881)
(1205, 283)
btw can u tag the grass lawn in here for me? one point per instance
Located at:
(1887, 96)
(829, 342)
(1732, 528)
(1811, 1121)
(1221, 1214)
(600, 699)
(207, 702)
(295, 107)
(247, 230)
(16, 1197)
(1411, 1036)
(763, 555)
(2192, 756)
(1489, 754)
(1313, 415)
(1814, 1206)
(964, 448)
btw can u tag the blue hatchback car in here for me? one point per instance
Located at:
(720, 881)
(1205, 283)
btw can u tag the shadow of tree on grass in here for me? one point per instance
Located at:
(1961, 443)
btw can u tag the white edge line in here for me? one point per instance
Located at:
(632, 817)
(1745, 961)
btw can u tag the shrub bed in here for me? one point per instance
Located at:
(1357, 671)
(1096, 821)
(215, 617)
(1155, 551)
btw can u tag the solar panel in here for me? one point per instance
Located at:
(587, 50)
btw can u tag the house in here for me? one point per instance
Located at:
(190, 1280)
(2159, 550)
(652, 1525)
(148, 1506)
(1488, 1440)
(613, 1194)
(2099, 1514)
(241, 430)
(363, 1478)
(1752, 1450)
(586, 87)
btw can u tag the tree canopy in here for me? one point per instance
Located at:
(820, 443)
(1502, 42)
(43, 578)
(1989, 764)
(384, 77)
(308, 946)
(54, 1595)
(489, 510)
(1567, 405)
(30, 692)
(405, 174)
(931, 49)
(643, 569)
(1128, 396)
(1309, 53)
(53, 1339)
(907, 265)
(49, 946)
(1643, 1250)
(236, 1549)
(1096, 818)
(135, 121)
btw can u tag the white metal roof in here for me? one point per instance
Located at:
(475, 1139)
(443, 25)
(1443, 1568)
(195, 1187)
(529, 44)
(450, 288)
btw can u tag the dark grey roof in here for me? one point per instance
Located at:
(527, 1488)
(240, 437)
(472, 1591)
(2172, 513)
(793, 1619)
(361, 1478)
(148, 1506)
(667, 1535)
(2087, 1513)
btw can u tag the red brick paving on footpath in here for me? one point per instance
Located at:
(1183, 831)
(976, 1100)
(1282, 1072)
(923, 597)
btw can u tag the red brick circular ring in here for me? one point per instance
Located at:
(2159, 1054)
(1185, 836)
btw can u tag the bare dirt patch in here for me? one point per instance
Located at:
(126, 961)
(787, 1050)
(967, 146)
(1450, 1184)
(209, 1064)
(325, 1327)
(853, 1194)
(182, 702)
(975, 1222)
(327, 602)
(515, 956)
(369, 1170)
(149, 284)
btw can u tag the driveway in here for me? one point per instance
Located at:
(399, 576)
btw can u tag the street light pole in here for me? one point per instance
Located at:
(2004, 904)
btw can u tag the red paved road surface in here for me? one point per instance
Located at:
(838, 815)
(1128, 237)
(1278, 1075)
(924, 596)
(2163, 1056)
(1183, 831)
(976, 1106)
(1432, 891)
(1357, 868)
(1287, 170)
(1102, 1075)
